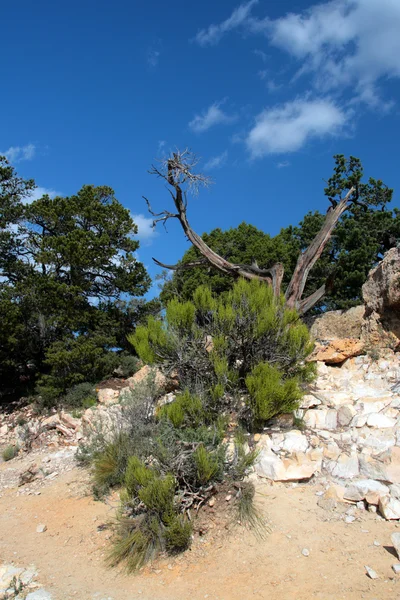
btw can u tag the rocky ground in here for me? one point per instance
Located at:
(328, 480)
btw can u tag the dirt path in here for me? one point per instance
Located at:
(70, 554)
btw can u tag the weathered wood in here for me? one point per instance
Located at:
(178, 172)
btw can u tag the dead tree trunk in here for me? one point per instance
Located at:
(179, 170)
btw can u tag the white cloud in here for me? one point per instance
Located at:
(286, 128)
(16, 154)
(343, 44)
(214, 115)
(153, 57)
(211, 35)
(216, 162)
(261, 54)
(38, 192)
(146, 232)
(283, 164)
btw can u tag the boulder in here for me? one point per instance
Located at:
(373, 469)
(345, 415)
(393, 468)
(295, 441)
(295, 468)
(381, 291)
(108, 396)
(389, 508)
(380, 421)
(148, 373)
(338, 324)
(346, 466)
(322, 418)
(337, 351)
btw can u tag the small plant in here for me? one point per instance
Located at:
(157, 526)
(270, 394)
(298, 423)
(248, 514)
(178, 534)
(185, 409)
(128, 365)
(81, 395)
(21, 421)
(10, 452)
(207, 465)
(374, 354)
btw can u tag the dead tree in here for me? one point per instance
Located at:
(179, 171)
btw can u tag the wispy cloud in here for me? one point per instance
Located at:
(261, 54)
(17, 154)
(213, 115)
(146, 233)
(153, 57)
(283, 164)
(39, 192)
(286, 128)
(341, 44)
(216, 162)
(211, 35)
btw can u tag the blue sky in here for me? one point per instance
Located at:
(265, 92)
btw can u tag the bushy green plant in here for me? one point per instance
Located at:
(270, 394)
(10, 452)
(186, 409)
(207, 465)
(128, 365)
(110, 464)
(157, 524)
(82, 395)
(247, 327)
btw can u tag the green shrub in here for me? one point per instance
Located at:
(186, 409)
(10, 452)
(178, 534)
(247, 325)
(207, 465)
(72, 361)
(270, 394)
(128, 365)
(248, 514)
(110, 464)
(82, 395)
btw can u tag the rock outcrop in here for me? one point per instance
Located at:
(381, 291)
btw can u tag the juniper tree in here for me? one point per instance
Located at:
(313, 267)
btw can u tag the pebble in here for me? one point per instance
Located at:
(395, 537)
(305, 552)
(41, 528)
(396, 568)
(371, 573)
(350, 519)
(376, 543)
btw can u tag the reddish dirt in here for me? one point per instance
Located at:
(222, 565)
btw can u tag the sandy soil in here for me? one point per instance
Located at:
(226, 565)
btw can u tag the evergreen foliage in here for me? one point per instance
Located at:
(246, 326)
(67, 268)
(367, 230)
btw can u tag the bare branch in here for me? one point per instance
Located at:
(307, 260)
(179, 170)
(182, 266)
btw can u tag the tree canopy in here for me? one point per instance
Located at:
(365, 231)
(68, 274)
